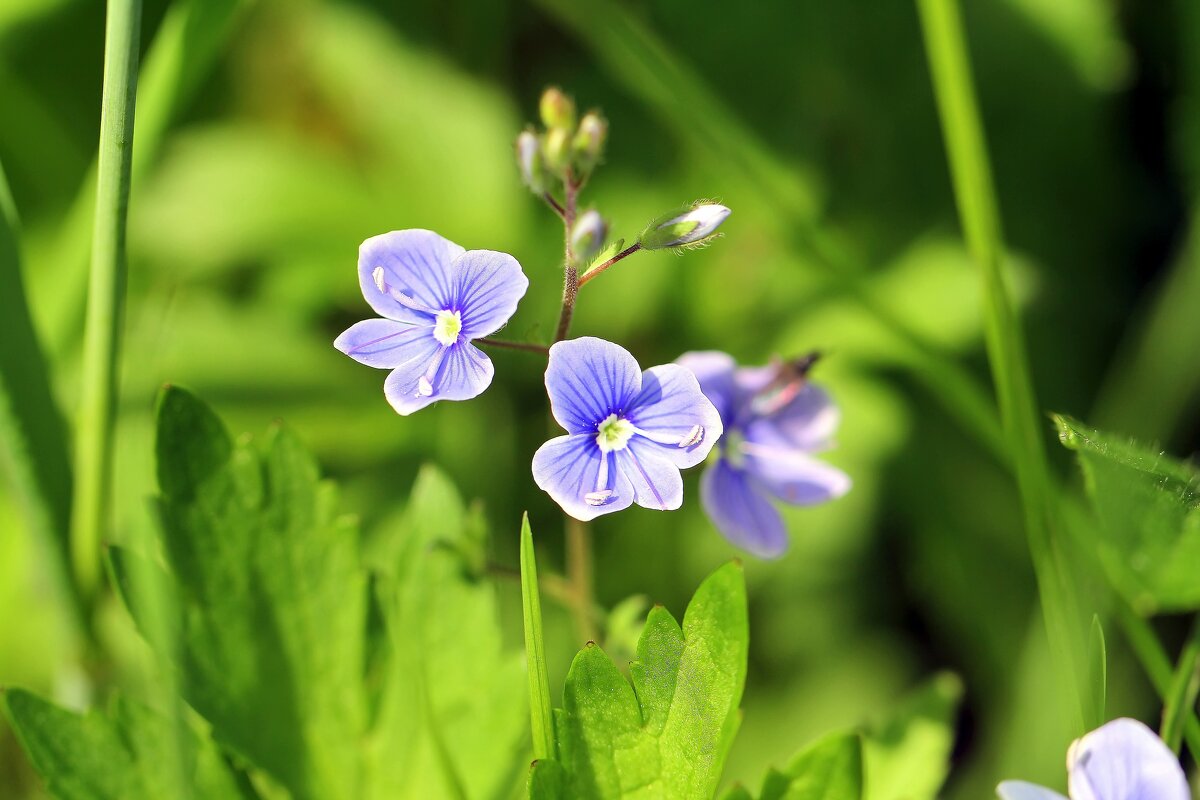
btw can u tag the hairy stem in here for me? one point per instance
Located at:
(106, 293)
(540, 349)
(570, 273)
(596, 270)
(554, 204)
(579, 571)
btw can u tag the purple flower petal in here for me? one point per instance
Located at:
(714, 370)
(674, 416)
(1019, 790)
(807, 422)
(656, 481)
(413, 263)
(381, 343)
(487, 287)
(741, 511)
(1124, 760)
(568, 469)
(588, 379)
(793, 476)
(434, 372)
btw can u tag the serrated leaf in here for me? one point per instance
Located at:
(272, 599)
(1148, 505)
(831, 769)
(908, 756)
(454, 716)
(123, 754)
(669, 732)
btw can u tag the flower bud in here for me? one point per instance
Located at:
(588, 235)
(557, 149)
(589, 140)
(530, 161)
(693, 227)
(558, 110)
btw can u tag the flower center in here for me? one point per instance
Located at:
(613, 433)
(446, 327)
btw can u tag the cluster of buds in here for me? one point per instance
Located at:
(566, 149)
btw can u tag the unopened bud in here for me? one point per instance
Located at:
(557, 149)
(589, 140)
(588, 235)
(693, 227)
(558, 110)
(530, 162)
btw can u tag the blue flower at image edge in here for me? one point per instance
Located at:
(434, 297)
(629, 432)
(1123, 760)
(772, 430)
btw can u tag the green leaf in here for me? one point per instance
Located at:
(908, 756)
(1097, 674)
(540, 708)
(454, 716)
(124, 754)
(33, 444)
(1148, 506)
(271, 595)
(669, 732)
(831, 769)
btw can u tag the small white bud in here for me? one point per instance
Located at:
(588, 235)
(693, 226)
(530, 161)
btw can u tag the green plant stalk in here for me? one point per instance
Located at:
(540, 707)
(106, 291)
(971, 173)
(1180, 699)
(1154, 661)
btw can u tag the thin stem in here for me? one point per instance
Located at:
(1180, 699)
(579, 572)
(106, 292)
(554, 204)
(540, 349)
(1154, 661)
(570, 273)
(977, 208)
(596, 270)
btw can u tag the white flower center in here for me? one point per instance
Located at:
(446, 327)
(614, 433)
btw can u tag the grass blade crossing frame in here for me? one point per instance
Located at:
(977, 209)
(106, 291)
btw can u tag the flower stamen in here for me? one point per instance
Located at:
(425, 382)
(693, 437)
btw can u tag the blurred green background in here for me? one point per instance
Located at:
(283, 133)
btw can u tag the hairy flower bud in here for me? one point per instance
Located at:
(693, 227)
(588, 235)
(558, 110)
(530, 161)
(589, 141)
(557, 149)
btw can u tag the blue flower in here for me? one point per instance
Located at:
(1122, 760)
(773, 424)
(434, 298)
(629, 431)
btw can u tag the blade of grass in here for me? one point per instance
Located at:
(648, 68)
(1180, 701)
(33, 438)
(540, 708)
(978, 212)
(106, 292)
(1097, 673)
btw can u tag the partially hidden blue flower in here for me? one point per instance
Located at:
(773, 425)
(629, 432)
(434, 297)
(1122, 760)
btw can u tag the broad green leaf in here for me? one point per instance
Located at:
(126, 753)
(33, 445)
(667, 734)
(540, 710)
(908, 756)
(454, 715)
(271, 595)
(1148, 506)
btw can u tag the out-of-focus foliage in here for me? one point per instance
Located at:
(315, 124)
